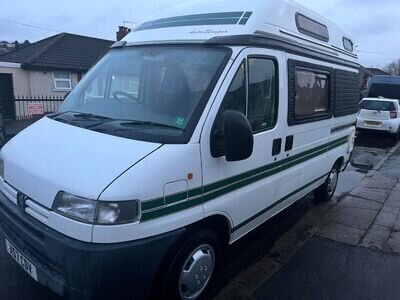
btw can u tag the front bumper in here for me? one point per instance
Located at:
(79, 270)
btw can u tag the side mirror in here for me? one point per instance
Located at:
(236, 141)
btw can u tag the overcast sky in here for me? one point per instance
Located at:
(374, 24)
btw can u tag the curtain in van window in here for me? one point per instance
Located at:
(312, 93)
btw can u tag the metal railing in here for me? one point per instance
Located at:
(26, 110)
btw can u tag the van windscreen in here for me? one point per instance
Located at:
(386, 90)
(150, 93)
(377, 105)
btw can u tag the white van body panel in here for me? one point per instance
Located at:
(49, 157)
(273, 17)
(157, 182)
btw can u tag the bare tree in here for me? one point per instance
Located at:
(393, 68)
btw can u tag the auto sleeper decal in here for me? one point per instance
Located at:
(160, 207)
(224, 18)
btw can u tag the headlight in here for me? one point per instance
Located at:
(118, 212)
(73, 207)
(96, 212)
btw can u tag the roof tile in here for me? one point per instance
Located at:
(63, 51)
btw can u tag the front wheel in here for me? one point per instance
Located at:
(326, 191)
(192, 267)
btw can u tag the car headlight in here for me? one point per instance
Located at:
(96, 212)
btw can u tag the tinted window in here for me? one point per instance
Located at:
(235, 98)
(390, 91)
(312, 28)
(377, 105)
(258, 100)
(312, 93)
(262, 102)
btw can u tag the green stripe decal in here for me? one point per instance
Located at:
(259, 214)
(174, 203)
(225, 18)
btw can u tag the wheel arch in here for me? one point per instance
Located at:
(340, 163)
(218, 222)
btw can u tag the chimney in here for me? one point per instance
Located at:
(122, 32)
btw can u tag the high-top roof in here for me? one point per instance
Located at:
(205, 19)
(64, 51)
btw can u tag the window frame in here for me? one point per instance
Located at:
(309, 32)
(346, 39)
(276, 65)
(293, 66)
(55, 80)
(245, 61)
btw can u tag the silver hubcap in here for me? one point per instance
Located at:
(332, 181)
(196, 272)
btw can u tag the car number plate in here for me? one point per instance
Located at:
(373, 123)
(21, 260)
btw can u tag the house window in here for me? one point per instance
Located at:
(312, 93)
(62, 81)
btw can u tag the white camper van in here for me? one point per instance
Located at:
(197, 128)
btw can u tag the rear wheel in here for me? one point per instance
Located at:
(326, 191)
(193, 266)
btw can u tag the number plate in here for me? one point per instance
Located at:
(21, 260)
(373, 123)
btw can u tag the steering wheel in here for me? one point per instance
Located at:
(121, 93)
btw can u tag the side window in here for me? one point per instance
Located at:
(262, 96)
(311, 93)
(235, 98)
(255, 94)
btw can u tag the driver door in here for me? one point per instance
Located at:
(245, 190)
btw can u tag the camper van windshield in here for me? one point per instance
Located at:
(386, 90)
(152, 93)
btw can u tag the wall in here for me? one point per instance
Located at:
(42, 83)
(20, 79)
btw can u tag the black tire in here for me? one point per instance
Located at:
(326, 191)
(171, 288)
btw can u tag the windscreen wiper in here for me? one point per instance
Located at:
(81, 115)
(149, 123)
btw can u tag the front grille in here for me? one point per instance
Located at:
(31, 207)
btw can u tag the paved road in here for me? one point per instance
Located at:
(325, 269)
(15, 284)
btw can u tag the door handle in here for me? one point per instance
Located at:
(276, 147)
(289, 143)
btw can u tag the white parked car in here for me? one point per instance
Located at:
(380, 114)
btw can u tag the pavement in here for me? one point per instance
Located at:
(348, 248)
